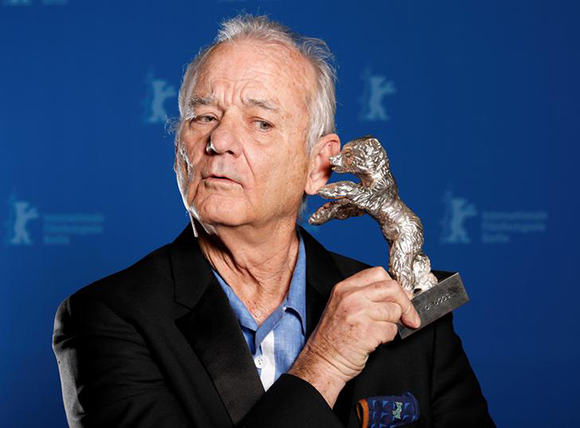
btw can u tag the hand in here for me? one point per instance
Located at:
(362, 313)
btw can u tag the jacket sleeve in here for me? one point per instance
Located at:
(291, 403)
(456, 400)
(110, 378)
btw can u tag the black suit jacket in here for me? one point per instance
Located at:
(157, 345)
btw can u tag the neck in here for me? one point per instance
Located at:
(257, 263)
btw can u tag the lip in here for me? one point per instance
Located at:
(217, 179)
(217, 173)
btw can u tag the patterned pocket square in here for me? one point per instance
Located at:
(387, 411)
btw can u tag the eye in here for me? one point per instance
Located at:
(347, 154)
(204, 118)
(262, 125)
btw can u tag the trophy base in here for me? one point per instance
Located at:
(439, 300)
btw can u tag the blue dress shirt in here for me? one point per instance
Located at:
(276, 343)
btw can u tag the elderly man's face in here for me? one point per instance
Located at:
(251, 99)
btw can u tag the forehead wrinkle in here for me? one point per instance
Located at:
(265, 103)
(230, 86)
(261, 103)
(228, 91)
(281, 59)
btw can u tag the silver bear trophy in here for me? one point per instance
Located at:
(377, 195)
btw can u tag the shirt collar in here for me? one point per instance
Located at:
(294, 300)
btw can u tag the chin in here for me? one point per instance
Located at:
(222, 213)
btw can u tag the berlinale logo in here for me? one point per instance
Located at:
(158, 91)
(457, 210)
(377, 87)
(20, 214)
(54, 228)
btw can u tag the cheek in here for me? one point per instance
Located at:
(300, 170)
(186, 165)
(292, 177)
(188, 168)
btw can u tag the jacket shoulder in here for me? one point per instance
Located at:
(136, 287)
(347, 265)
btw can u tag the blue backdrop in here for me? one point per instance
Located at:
(475, 102)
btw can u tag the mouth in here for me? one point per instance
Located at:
(218, 179)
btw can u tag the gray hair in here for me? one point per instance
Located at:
(245, 26)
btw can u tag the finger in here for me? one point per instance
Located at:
(409, 316)
(392, 292)
(384, 312)
(382, 291)
(367, 276)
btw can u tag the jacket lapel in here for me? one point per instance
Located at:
(322, 274)
(212, 329)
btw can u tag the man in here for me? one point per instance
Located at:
(244, 320)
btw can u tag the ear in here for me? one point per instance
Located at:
(319, 168)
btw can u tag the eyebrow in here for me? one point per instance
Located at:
(265, 104)
(196, 101)
(200, 101)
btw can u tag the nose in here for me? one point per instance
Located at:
(224, 139)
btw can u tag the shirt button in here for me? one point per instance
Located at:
(259, 361)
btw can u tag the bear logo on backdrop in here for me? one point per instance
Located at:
(496, 227)
(55, 228)
(376, 88)
(457, 211)
(20, 213)
(158, 92)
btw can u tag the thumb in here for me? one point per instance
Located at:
(410, 317)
